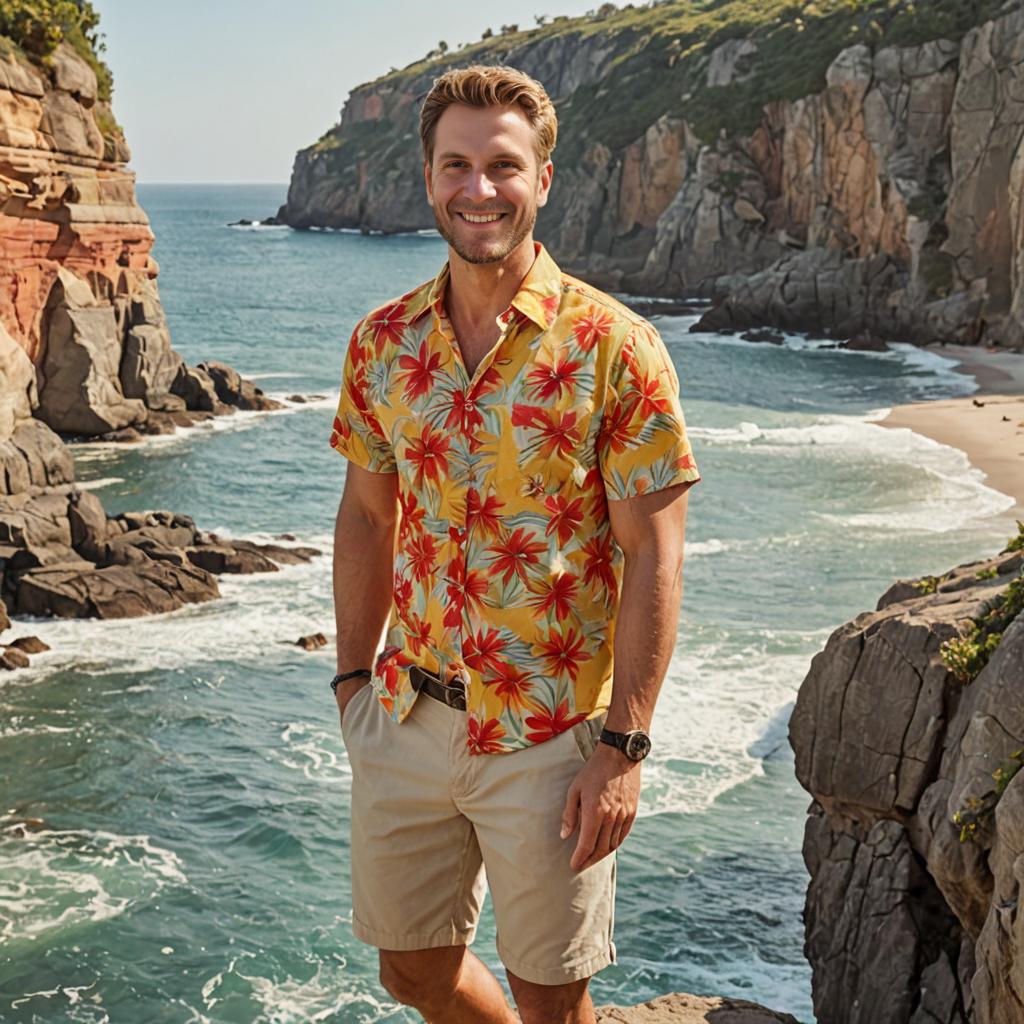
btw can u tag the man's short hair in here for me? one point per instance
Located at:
(489, 85)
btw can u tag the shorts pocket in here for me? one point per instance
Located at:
(587, 734)
(346, 715)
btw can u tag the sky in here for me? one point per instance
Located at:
(230, 90)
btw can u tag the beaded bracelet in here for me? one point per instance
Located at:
(342, 676)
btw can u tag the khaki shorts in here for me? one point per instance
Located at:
(429, 819)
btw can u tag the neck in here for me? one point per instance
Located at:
(478, 292)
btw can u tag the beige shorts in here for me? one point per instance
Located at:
(429, 819)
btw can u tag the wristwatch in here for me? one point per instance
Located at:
(635, 744)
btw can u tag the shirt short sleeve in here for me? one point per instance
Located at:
(642, 445)
(357, 433)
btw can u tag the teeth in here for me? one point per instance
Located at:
(475, 219)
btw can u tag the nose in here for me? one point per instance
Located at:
(479, 187)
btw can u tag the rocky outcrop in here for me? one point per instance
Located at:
(85, 353)
(884, 201)
(61, 554)
(680, 1008)
(79, 292)
(909, 919)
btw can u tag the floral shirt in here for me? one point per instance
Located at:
(506, 573)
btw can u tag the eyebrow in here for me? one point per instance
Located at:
(497, 156)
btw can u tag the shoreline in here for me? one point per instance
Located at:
(987, 426)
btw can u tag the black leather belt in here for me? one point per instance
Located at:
(453, 696)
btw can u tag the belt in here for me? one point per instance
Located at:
(453, 696)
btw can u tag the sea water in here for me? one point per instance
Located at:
(189, 768)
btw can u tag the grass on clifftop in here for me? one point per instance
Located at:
(34, 29)
(661, 52)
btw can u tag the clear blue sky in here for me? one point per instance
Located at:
(228, 90)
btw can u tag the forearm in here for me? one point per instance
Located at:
(363, 568)
(645, 634)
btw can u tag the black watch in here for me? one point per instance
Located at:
(635, 744)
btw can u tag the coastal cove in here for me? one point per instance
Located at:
(189, 768)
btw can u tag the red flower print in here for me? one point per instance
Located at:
(387, 325)
(482, 651)
(421, 554)
(420, 372)
(546, 723)
(563, 652)
(482, 516)
(559, 435)
(684, 462)
(650, 397)
(390, 662)
(514, 555)
(484, 738)
(511, 684)
(418, 632)
(402, 591)
(463, 414)
(615, 430)
(598, 565)
(426, 453)
(556, 430)
(547, 380)
(558, 593)
(464, 588)
(412, 513)
(594, 326)
(566, 516)
(342, 431)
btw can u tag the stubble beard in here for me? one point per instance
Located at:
(492, 251)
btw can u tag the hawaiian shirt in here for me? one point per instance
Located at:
(506, 572)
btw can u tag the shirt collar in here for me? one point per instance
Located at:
(538, 298)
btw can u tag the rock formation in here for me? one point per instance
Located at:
(680, 1008)
(912, 913)
(85, 352)
(841, 182)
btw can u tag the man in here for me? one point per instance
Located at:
(514, 510)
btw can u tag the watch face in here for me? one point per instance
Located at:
(638, 745)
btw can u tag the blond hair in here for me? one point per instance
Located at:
(488, 85)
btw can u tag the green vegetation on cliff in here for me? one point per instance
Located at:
(661, 51)
(36, 27)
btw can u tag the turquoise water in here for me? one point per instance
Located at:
(189, 768)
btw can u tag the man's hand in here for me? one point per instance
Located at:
(603, 798)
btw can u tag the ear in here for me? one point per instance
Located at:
(544, 183)
(427, 182)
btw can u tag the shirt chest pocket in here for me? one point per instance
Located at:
(548, 448)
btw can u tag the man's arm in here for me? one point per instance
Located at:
(650, 529)
(364, 538)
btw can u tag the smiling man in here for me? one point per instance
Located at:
(514, 513)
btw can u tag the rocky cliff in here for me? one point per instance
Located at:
(909, 734)
(829, 167)
(85, 351)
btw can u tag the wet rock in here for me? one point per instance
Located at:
(12, 658)
(29, 644)
(312, 642)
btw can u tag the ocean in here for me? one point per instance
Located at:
(189, 767)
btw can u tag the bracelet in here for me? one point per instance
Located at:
(342, 676)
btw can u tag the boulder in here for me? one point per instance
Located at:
(81, 393)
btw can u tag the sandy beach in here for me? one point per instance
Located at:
(988, 425)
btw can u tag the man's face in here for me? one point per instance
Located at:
(484, 164)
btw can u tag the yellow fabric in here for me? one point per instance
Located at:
(506, 573)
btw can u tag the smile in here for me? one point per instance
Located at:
(486, 218)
